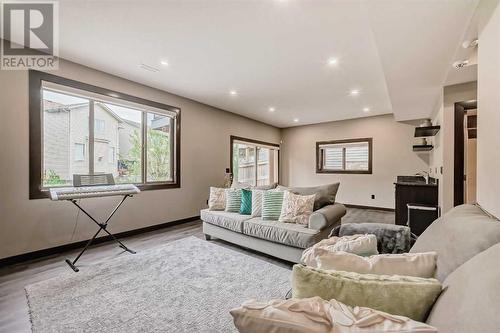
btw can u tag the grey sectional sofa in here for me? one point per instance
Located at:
(467, 241)
(282, 240)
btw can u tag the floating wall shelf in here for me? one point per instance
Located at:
(423, 147)
(426, 131)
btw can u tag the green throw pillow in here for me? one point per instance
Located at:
(407, 296)
(233, 200)
(272, 201)
(246, 202)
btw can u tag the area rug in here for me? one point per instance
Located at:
(187, 285)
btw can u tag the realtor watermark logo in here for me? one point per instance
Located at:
(30, 35)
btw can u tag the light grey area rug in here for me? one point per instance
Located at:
(185, 286)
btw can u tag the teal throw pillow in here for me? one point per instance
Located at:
(246, 202)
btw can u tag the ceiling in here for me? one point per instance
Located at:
(275, 53)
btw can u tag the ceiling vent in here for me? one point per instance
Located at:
(149, 68)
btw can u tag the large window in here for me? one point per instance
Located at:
(254, 162)
(76, 128)
(344, 156)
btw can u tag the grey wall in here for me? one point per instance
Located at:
(29, 225)
(392, 156)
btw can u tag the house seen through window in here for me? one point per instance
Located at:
(132, 142)
(254, 163)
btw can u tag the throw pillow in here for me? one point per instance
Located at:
(325, 194)
(233, 200)
(272, 201)
(410, 264)
(363, 245)
(406, 296)
(217, 199)
(316, 315)
(246, 202)
(296, 208)
(257, 202)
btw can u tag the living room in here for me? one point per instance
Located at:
(231, 145)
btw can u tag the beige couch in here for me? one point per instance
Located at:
(467, 241)
(282, 240)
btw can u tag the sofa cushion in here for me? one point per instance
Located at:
(233, 200)
(217, 199)
(285, 233)
(406, 296)
(471, 297)
(272, 202)
(315, 315)
(246, 202)
(409, 264)
(231, 221)
(296, 208)
(325, 194)
(458, 236)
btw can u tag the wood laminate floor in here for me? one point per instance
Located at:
(14, 315)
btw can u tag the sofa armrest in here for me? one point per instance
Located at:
(326, 216)
(391, 238)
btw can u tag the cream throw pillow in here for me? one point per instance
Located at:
(363, 245)
(296, 208)
(409, 264)
(217, 199)
(316, 315)
(257, 202)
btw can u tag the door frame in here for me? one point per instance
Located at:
(459, 156)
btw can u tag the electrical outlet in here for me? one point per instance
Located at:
(373, 196)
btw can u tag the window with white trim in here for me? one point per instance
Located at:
(344, 156)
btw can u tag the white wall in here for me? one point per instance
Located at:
(444, 142)
(29, 225)
(488, 138)
(392, 156)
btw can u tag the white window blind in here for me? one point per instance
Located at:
(344, 156)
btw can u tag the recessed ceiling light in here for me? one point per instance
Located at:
(233, 92)
(354, 92)
(366, 109)
(164, 62)
(333, 61)
(295, 120)
(272, 109)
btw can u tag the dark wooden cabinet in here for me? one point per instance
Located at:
(413, 192)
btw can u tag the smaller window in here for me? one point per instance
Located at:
(111, 155)
(99, 126)
(344, 156)
(79, 152)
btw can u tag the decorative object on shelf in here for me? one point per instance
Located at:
(426, 123)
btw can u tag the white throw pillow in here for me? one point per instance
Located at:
(217, 199)
(363, 245)
(257, 202)
(409, 264)
(296, 208)
(315, 315)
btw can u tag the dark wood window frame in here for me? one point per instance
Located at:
(36, 78)
(233, 138)
(319, 157)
